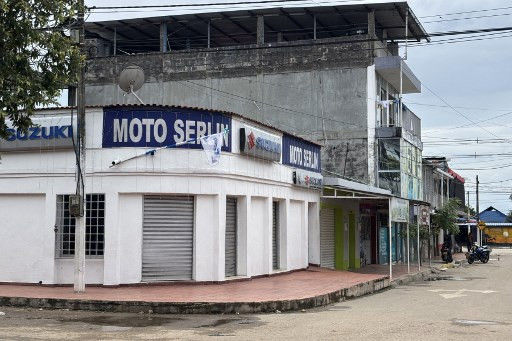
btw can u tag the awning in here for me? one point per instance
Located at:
(345, 189)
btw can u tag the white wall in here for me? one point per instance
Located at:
(130, 238)
(24, 255)
(313, 233)
(259, 237)
(209, 232)
(64, 271)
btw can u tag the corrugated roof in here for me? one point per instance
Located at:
(492, 215)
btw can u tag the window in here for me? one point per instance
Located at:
(390, 181)
(389, 154)
(94, 226)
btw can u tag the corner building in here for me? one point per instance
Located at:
(156, 214)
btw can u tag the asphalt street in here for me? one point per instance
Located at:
(474, 301)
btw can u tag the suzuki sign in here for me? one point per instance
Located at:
(258, 143)
(45, 133)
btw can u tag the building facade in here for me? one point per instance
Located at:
(157, 210)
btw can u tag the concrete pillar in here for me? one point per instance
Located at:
(267, 231)
(50, 215)
(243, 217)
(371, 24)
(111, 257)
(163, 37)
(314, 233)
(284, 219)
(209, 33)
(314, 27)
(115, 41)
(371, 30)
(304, 234)
(260, 30)
(209, 237)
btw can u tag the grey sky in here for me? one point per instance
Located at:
(473, 76)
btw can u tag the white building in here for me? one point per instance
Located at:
(163, 215)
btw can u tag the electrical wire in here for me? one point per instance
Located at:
(467, 18)
(466, 12)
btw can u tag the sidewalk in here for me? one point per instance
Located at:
(308, 288)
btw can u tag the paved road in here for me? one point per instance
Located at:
(475, 302)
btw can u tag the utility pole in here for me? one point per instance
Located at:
(478, 212)
(468, 218)
(79, 278)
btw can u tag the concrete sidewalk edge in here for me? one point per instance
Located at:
(357, 290)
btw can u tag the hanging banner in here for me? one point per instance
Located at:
(134, 127)
(53, 132)
(399, 210)
(259, 143)
(301, 154)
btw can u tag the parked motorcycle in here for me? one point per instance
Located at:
(446, 252)
(480, 253)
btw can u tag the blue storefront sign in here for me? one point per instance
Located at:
(301, 154)
(133, 127)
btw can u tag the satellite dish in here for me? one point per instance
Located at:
(131, 79)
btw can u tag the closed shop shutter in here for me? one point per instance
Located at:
(231, 228)
(275, 235)
(327, 238)
(168, 234)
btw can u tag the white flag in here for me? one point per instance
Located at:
(212, 145)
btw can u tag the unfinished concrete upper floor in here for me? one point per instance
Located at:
(385, 22)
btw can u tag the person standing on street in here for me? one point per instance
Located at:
(470, 241)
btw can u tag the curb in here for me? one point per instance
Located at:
(406, 279)
(358, 290)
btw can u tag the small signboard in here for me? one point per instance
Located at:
(46, 133)
(259, 143)
(307, 179)
(481, 225)
(399, 210)
(424, 217)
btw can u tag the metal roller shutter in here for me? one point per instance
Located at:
(168, 233)
(275, 235)
(327, 238)
(230, 247)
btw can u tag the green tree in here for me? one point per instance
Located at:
(37, 56)
(446, 217)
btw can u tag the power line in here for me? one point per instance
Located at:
(458, 112)
(466, 12)
(482, 121)
(467, 18)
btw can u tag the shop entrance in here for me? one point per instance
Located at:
(231, 237)
(327, 251)
(168, 235)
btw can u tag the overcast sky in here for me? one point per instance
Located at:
(474, 77)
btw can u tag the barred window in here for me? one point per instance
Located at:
(94, 224)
